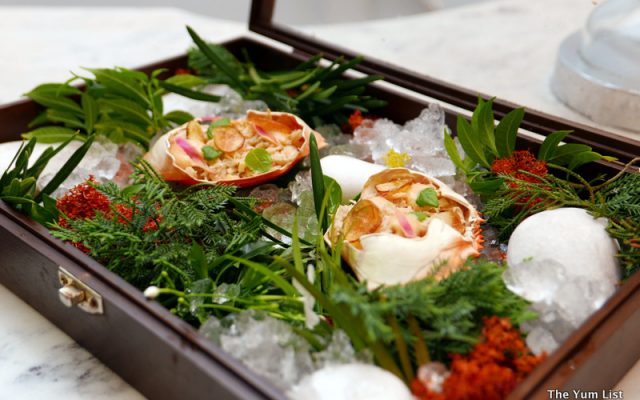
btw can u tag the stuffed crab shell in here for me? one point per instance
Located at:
(405, 227)
(243, 152)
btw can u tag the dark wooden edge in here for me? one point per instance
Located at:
(573, 353)
(625, 149)
(234, 379)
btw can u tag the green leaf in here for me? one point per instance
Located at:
(198, 260)
(317, 180)
(550, 145)
(66, 169)
(189, 93)
(583, 158)
(213, 54)
(420, 215)
(57, 103)
(133, 74)
(210, 153)
(127, 109)
(308, 92)
(40, 119)
(56, 90)
(186, 80)
(124, 130)
(482, 122)
(50, 134)
(132, 190)
(122, 84)
(565, 152)
(470, 143)
(507, 132)
(68, 119)
(179, 117)
(259, 160)
(90, 107)
(487, 186)
(216, 124)
(428, 197)
(452, 151)
(324, 94)
(334, 194)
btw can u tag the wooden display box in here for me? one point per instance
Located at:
(164, 357)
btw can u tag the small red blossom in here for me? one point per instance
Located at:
(520, 160)
(182, 71)
(84, 201)
(355, 119)
(490, 371)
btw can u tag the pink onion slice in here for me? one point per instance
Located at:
(189, 149)
(405, 225)
(266, 134)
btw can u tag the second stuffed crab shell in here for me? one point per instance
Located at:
(405, 227)
(243, 152)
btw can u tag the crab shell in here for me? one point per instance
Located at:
(384, 258)
(164, 162)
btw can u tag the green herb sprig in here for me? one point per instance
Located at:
(121, 104)
(483, 142)
(316, 94)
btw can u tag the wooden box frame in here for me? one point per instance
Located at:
(164, 358)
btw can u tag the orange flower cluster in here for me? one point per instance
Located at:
(84, 201)
(520, 160)
(355, 119)
(491, 371)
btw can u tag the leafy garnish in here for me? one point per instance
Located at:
(316, 94)
(428, 197)
(259, 160)
(210, 153)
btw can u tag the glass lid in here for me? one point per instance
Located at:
(502, 48)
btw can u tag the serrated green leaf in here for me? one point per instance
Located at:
(471, 143)
(482, 122)
(50, 134)
(583, 158)
(507, 132)
(122, 84)
(179, 117)
(428, 197)
(549, 147)
(258, 160)
(68, 119)
(56, 103)
(90, 107)
(452, 151)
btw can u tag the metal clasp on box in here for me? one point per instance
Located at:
(75, 293)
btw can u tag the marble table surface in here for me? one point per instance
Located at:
(43, 44)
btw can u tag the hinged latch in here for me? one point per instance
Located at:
(75, 293)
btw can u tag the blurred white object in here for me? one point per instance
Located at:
(351, 382)
(598, 69)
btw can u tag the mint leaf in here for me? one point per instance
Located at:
(210, 153)
(217, 124)
(259, 160)
(420, 215)
(428, 197)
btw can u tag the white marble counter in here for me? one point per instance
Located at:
(43, 44)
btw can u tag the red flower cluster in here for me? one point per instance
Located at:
(520, 160)
(491, 371)
(355, 119)
(84, 201)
